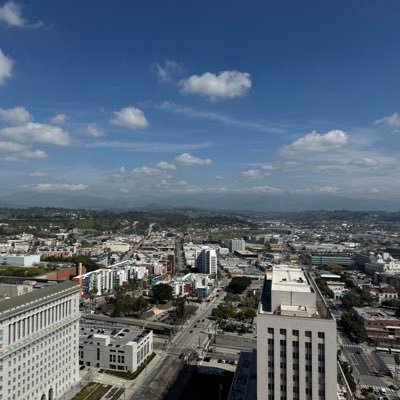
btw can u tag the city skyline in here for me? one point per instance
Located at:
(128, 101)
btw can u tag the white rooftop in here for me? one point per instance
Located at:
(291, 279)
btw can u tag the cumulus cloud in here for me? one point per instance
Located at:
(224, 85)
(11, 15)
(188, 159)
(365, 162)
(6, 65)
(166, 165)
(166, 72)
(254, 174)
(130, 117)
(11, 151)
(391, 120)
(315, 142)
(33, 132)
(59, 119)
(94, 131)
(15, 116)
(59, 187)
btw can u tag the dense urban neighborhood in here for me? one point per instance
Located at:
(153, 298)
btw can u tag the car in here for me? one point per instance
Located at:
(191, 331)
(394, 387)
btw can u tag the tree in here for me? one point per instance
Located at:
(239, 284)
(162, 292)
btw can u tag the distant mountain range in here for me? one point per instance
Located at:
(282, 202)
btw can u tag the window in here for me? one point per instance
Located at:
(321, 335)
(308, 334)
(271, 330)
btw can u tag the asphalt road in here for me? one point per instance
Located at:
(187, 339)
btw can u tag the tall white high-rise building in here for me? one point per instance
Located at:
(207, 261)
(39, 334)
(237, 245)
(296, 340)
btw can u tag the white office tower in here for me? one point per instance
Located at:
(237, 245)
(39, 334)
(296, 340)
(207, 261)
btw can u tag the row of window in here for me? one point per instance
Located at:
(34, 323)
(296, 332)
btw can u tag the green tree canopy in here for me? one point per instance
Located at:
(162, 292)
(239, 284)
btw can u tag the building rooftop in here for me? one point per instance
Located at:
(286, 278)
(40, 294)
(118, 337)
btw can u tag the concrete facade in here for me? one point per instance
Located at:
(17, 260)
(123, 351)
(237, 245)
(296, 342)
(39, 343)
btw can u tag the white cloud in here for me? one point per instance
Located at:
(219, 177)
(15, 116)
(139, 173)
(166, 72)
(224, 85)
(328, 189)
(10, 14)
(58, 119)
(37, 174)
(12, 151)
(263, 189)
(130, 117)
(149, 147)
(33, 132)
(94, 131)
(391, 120)
(188, 159)
(57, 187)
(315, 142)
(6, 65)
(365, 162)
(268, 167)
(254, 174)
(166, 165)
(170, 106)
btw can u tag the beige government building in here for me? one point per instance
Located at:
(39, 333)
(296, 340)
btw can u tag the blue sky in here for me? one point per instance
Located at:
(124, 98)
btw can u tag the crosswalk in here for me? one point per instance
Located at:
(351, 346)
(378, 388)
